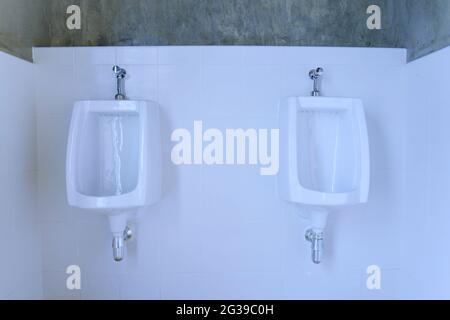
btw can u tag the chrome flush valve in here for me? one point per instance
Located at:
(120, 75)
(315, 75)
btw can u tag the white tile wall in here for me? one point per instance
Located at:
(221, 232)
(20, 265)
(427, 155)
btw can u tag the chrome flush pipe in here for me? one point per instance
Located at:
(315, 75)
(118, 244)
(316, 239)
(120, 75)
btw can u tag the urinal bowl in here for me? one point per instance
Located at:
(113, 164)
(324, 155)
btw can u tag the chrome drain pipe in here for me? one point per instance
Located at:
(316, 239)
(118, 244)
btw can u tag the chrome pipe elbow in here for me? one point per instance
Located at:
(316, 239)
(118, 244)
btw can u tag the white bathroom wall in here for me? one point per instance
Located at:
(427, 178)
(20, 245)
(221, 231)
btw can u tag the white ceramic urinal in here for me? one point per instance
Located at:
(113, 163)
(324, 158)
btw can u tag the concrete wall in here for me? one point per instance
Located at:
(231, 22)
(418, 25)
(21, 25)
(425, 25)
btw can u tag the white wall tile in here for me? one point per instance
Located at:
(182, 249)
(55, 288)
(141, 82)
(426, 177)
(222, 286)
(180, 90)
(224, 90)
(184, 55)
(100, 286)
(323, 285)
(221, 231)
(390, 286)
(145, 286)
(315, 56)
(95, 55)
(223, 56)
(52, 138)
(56, 89)
(30, 285)
(137, 55)
(59, 246)
(19, 145)
(263, 88)
(265, 56)
(23, 208)
(20, 271)
(185, 286)
(94, 82)
(7, 272)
